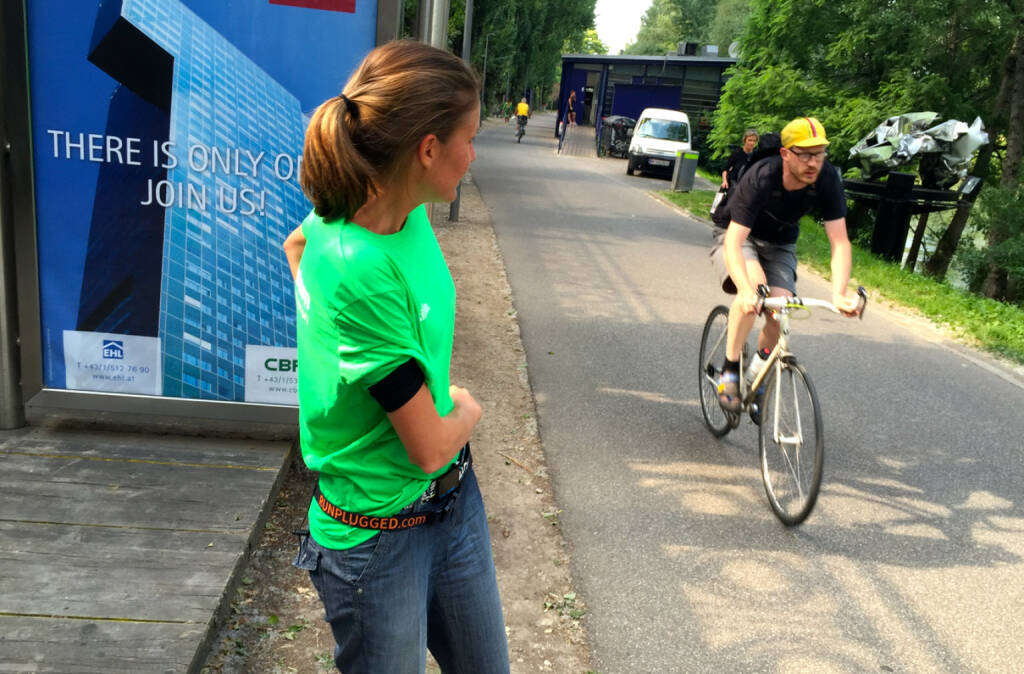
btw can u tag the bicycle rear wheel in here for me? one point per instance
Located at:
(791, 442)
(712, 355)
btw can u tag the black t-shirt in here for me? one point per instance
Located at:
(736, 166)
(773, 213)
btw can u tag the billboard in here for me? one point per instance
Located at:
(167, 141)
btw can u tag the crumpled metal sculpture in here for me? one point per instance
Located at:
(945, 150)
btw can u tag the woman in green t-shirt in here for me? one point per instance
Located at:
(398, 549)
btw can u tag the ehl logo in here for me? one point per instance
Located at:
(113, 349)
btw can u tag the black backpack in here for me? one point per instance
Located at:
(768, 146)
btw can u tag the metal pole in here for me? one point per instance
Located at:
(389, 20)
(483, 85)
(467, 31)
(467, 40)
(424, 11)
(439, 24)
(12, 411)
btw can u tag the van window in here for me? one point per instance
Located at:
(664, 129)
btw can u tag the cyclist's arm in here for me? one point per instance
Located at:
(841, 265)
(732, 248)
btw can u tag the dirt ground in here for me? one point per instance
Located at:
(276, 623)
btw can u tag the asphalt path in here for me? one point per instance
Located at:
(913, 560)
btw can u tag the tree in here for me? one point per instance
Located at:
(854, 63)
(586, 42)
(666, 23)
(729, 22)
(1005, 278)
(523, 42)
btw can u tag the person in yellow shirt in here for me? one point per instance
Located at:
(522, 115)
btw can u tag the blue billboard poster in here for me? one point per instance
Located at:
(167, 141)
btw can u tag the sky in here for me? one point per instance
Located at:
(618, 21)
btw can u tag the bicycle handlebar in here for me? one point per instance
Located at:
(781, 302)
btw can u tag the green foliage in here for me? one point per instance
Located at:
(523, 42)
(854, 63)
(729, 22)
(585, 42)
(996, 326)
(669, 22)
(1000, 209)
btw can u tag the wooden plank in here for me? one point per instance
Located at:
(50, 646)
(170, 448)
(127, 493)
(118, 551)
(113, 573)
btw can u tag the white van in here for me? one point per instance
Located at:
(658, 135)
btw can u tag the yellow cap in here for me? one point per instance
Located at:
(803, 132)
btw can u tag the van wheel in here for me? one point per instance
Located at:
(629, 165)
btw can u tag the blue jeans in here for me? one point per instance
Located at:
(391, 598)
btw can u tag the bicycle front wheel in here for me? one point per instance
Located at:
(712, 355)
(792, 442)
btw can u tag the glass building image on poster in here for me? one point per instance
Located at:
(219, 194)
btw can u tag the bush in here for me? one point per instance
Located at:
(999, 211)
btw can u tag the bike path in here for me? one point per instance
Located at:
(914, 555)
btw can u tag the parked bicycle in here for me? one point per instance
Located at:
(780, 399)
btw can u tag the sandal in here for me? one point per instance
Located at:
(729, 391)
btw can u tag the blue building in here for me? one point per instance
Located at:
(624, 85)
(219, 194)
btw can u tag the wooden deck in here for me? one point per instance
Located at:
(118, 551)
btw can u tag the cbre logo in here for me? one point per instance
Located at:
(327, 5)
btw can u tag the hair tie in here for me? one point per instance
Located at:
(350, 105)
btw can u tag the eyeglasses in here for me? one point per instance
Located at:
(806, 157)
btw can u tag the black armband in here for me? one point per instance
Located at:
(399, 387)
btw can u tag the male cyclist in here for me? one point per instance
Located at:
(758, 246)
(522, 112)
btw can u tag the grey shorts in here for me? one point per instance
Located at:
(778, 260)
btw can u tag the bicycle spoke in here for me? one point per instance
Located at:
(712, 354)
(791, 443)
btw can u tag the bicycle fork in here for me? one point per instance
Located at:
(774, 363)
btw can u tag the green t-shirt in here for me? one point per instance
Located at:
(365, 304)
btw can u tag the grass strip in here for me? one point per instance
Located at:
(995, 326)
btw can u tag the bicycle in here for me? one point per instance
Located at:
(520, 127)
(790, 436)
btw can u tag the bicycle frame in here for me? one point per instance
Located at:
(780, 351)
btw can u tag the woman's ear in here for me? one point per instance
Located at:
(428, 149)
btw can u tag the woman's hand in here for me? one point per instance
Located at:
(466, 403)
(431, 440)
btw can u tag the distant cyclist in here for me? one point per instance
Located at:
(522, 116)
(759, 244)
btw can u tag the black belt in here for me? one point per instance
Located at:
(440, 489)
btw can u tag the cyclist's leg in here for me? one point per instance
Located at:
(779, 264)
(739, 323)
